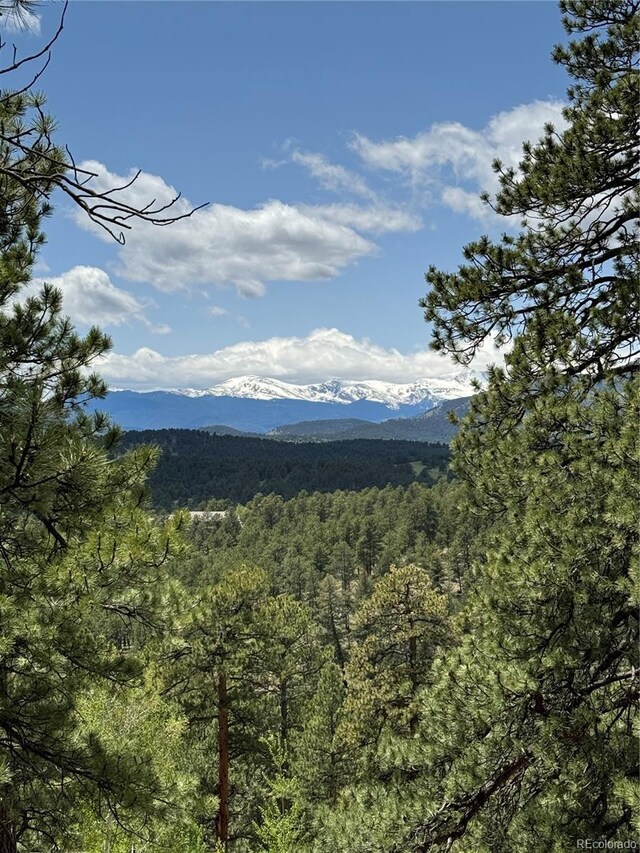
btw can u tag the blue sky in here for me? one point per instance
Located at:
(341, 148)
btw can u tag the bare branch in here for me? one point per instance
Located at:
(44, 51)
(38, 167)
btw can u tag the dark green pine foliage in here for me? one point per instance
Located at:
(286, 665)
(322, 762)
(196, 466)
(301, 542)
(244, 674)
(526, 738)
(209, 679)
(564, 289)
(534, 711)
(296, 724)
(398, 629)
(80, 560)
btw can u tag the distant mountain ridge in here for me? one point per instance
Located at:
(259, 404)
(432, 426)
(391, 394)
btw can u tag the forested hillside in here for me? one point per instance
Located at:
(434, 425)
(438, 666)
(195, 466)
(316, 623)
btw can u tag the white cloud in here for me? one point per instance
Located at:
(323, 354)
(223, 245)
(217, 311)
(89, 297)
(20, 20)
(377, 219)
(449, 154)
(332, 176)
(463, 201)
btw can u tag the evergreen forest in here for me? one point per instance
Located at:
(380, 647)
(195, 467)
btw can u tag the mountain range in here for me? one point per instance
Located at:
(434, 425)
(342, 391)
(259, 404)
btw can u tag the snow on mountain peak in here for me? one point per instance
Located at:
(344, 391)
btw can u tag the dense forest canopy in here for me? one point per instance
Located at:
(406, 667)
(195, 466)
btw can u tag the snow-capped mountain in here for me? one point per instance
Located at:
(392, 395)
(258, 404)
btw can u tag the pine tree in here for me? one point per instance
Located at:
(400, 628)
(564, 290)
(333, 609)
(280, 828)
(81, 561)
(526, 737)
(287, 661)
(210, 682)
(248, 665)
(534, 711)
(322, 763)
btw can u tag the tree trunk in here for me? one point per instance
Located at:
(285, 803)
(8, 840)
(336, 637)
(284, 715)
(222, 823)
(413, 676)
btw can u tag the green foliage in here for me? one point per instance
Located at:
(399, 628)
(282, 688)
(268, 649)
(140, 726)
(82, 586)
(196, 466)
(526, 736)
(321, 761)
(565, 288)
(279, 832)
(280, 827)
(399, 669)
(534, 710)
(345, 535)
